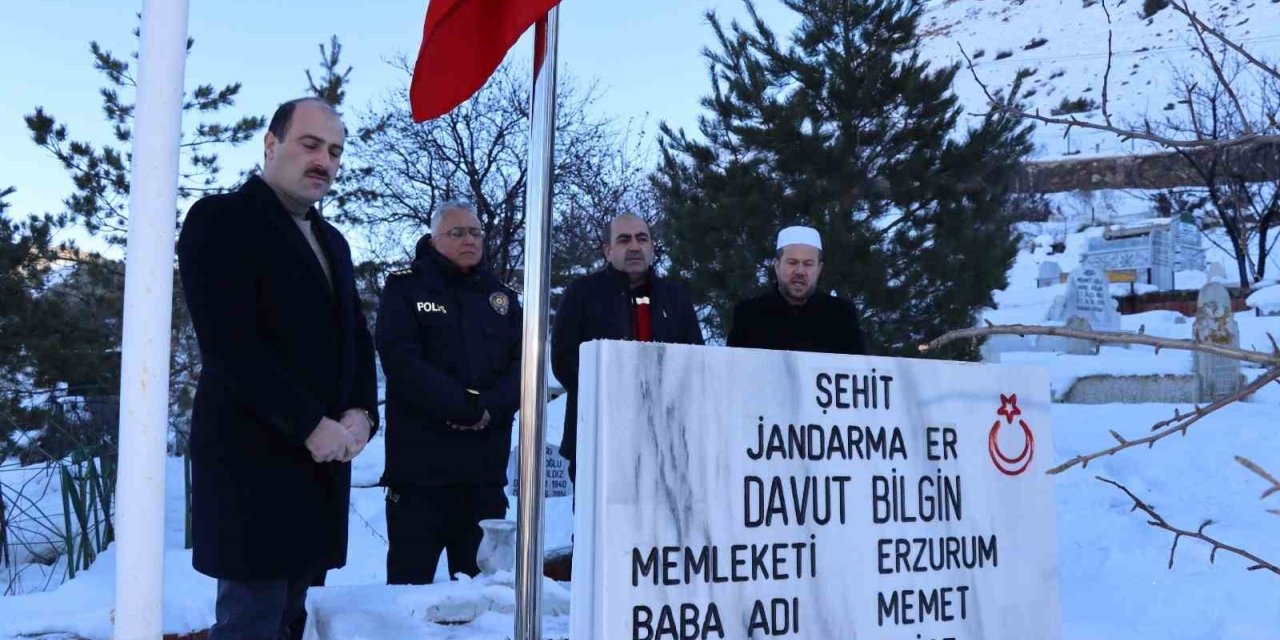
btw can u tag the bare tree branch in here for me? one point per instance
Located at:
(1253, 466)
(1184, 9)
(1128, 134)
(1105, 337)
(1217, 71)
(1008, 107)
(1106, 76)
(1191, 109)
(402, 170)
(1157, 521)
(1179, 423)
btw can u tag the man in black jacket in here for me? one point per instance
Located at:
(624, 301)
(287, 393)
(449, 336)
(790, 317)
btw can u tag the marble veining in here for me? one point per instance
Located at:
(690, 501)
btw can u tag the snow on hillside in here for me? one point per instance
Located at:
(1064, 43)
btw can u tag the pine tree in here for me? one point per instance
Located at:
(78, 304)
(24, 252)
(101, 172)
(332, 87)
(59, 334)
(88, 364)
(846, 129)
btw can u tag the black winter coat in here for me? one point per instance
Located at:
(598, 307)
(823, 324)
(278, 351)
(450, 349)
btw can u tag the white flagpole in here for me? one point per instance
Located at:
(533, 387)
(148, 305)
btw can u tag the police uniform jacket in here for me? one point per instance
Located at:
(450, 348)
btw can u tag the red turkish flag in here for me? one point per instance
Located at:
(463, 41)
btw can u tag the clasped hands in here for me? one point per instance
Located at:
(484, 422)
(340, 440)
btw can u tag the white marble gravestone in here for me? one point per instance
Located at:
(741, 493)
(1089, 297)
(1076, 346)
(1152, 252)
(555, 473)
(1050, 274)
(1215, 323)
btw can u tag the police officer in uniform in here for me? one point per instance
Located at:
(448, 333)
(792, 316)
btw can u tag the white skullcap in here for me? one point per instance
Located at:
(800, 235)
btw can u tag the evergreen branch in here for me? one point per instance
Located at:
(1158, 521)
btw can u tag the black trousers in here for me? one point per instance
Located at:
(573, 483)
(300, 623)
(270, 609)
(423, 521)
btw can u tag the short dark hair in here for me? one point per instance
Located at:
(283, 117)
(607, 231)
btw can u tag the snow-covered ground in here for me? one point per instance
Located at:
(1114, 580)
(1115, 583)
(83, 606)
(1022, 302)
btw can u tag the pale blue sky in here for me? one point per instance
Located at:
(646, 56)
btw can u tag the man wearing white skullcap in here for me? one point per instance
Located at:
(790, 317)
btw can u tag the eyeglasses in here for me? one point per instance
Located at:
(458, 232)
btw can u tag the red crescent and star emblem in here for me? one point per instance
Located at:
(1015, 465)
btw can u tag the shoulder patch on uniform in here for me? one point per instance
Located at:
(500, 302)
(400, 273)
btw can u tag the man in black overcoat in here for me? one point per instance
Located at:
(287, 393)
